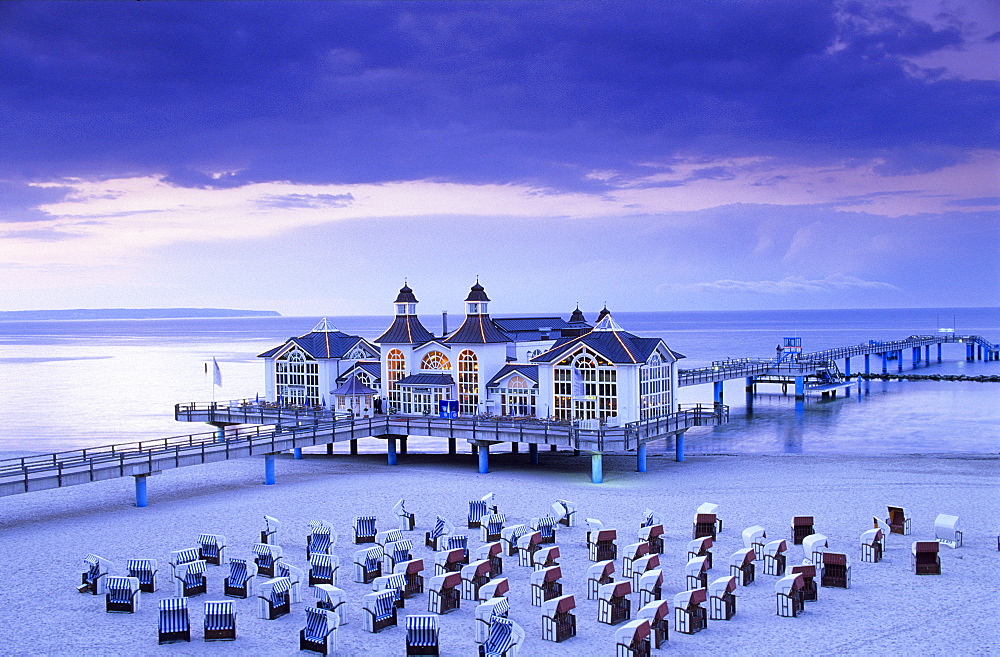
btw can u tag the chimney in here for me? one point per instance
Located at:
(444, 323)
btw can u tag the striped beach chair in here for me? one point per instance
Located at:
(505, 639)
(657, 613)
(546, 526)
(459, 542)
(368, 564)
(269, 535)
(397, 552)
(510, 535)
(383, 538)
(490, 526)
(294, 574)
(189, 579)
(320, 633)
(332, 598)
(444, 593)
(212, 549)
(479, 508)
(265, 556)
(438, 536)
(558, 623)
(145, 571)
(650, 518)
(239, 584)
(364, 529)
(95, 570)
(395, 583)
(632, 639)
(321, 539)
(178, 557)
(273, 598)
(122, 595)
(414, 580)
(380, 610)
(486, 613)
(173, 624)
(422, 635)
(323, 569)
(406, 519)
(220, 621)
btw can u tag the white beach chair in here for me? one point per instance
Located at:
(545, 585)
(632, 639)
(395, 583)
(486, 612)
(295, 576)
(397, 552)
(754, 537)
(444, 593)
(510, 535)
(713, 509)
(450, 561)
(632, 552)
(788, 595)
(650, 586)
(700, 547)
(388, 536)
(652, 535)
(657, 613)
(741, 566)
(613, 605)
(273, 598)
(493, 552)
(527, 545)
(642, 565)
(368, 564)
(872, 545)
(558, 621)
(323, 569)
(722, 598)
(946, 530)
(704, 524)
(413, 570)
(406, 519)
(564, 512)
(599, 574)
(494, 588)
(185, 555)
(379, 610)
(601, 542)
(774, 557)
(269, 535)
(333, 599)
(813, 547)
(545, 557)
(689, 615)
(474, 576)
(696, 573)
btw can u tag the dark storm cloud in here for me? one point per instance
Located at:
(224, 94)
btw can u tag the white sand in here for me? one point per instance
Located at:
(44, 536)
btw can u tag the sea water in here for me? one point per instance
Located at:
(71, 384)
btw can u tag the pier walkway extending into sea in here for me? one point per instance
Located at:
(281, 429)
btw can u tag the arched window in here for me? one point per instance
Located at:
(395, 363)
(435, 360)
(468, 383)
(585, 387)
(517, 382)
(517, 398)
(654, 387)
(297, 378)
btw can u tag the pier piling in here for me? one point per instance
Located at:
(640, 458)
(484, 459)
(269, 469)
(140, 490)
(533, 453)
(679, 447)
(596, 468)
(391, 450)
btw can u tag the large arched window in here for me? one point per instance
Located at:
(468, 383)
(435, 360)
(395, 362)
(518, 398)
(654, 387)
(585, 387)
(297, 378)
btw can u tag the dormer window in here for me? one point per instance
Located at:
(406, 309)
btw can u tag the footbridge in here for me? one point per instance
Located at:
(277, 429)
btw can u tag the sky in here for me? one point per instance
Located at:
(308, 157)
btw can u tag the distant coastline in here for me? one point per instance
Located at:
(131, 313)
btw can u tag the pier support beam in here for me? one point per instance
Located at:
(916, 356)
(679, 447)
(885, 363)
(640, 458)
(939, 352)
(800, 387)
(140, 490)
(269, 469)
(452, 447)
(514, 448)
(596, 468)
(484, 459)
(297, 452)
(402, 445)
(899, 360)
(533, 453)
(927, 355)
(553, 448)
(750, 389)
(329, 449)
(354, 447)
(847, 368)
(717, 393)
(968, 351)
(868, 363)
(391, 450)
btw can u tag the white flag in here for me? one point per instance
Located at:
(216, 373)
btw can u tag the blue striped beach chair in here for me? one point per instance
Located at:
(220, 621)
(414, 580)
(122, 595)
(509, 537)
(294, 574)
(269, 535)
(649, 518)
(491, 525)
(422, 635)
(406, 519)
(186, 555)
(388, 536)
(95, 569)
(173, 624)
(546, 526)
(239, 584)
(395, 583)
(368, 564)
(364, 529)
(456, 541)
(320, 632)
(323, 569)
(321, 538)
(145, 571)
(397, 552)
(189, 579)
(212, 549)
(477, 509)
(437, 536)
(273, 598)
(486, 613)
(505, 639)
(331, 598)
(265, 557)
(380, 610)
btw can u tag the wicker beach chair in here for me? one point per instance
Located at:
(212, 549)
(497, 607)
(836, 571)
(411, 570)
(696, 573)
(650, 586)
(438, 536)
(713, 509)
(494, 588)
(240, 582)
(641, 566)
(323, 569)
(813, 547)
(274, 599)
(331, 598)
(632, 639)
(775, 558)
(898, 520)
(946, 530)
(406, 519)
(613, 605)
(722, 598)
(788, 596)
(491, 526)
(269, 535)
(924, 558)
(754, 537)
(505, 639)
(458, 542)
(704, 525)
(395, 582)
(395, 553)
(701, 547)
(178, 557)
(493, 552)
(220, 621)
(652, 535)
(474, 576)
(379, 610)
(320, 633)
(422, 635)
(122, 595)
(509, 537)
(601, 544)
(802, 526)
(527, 545)
(450, 561)
(444, 593)
(546, 526)
(265, 555)
(322, 538)
(564, 512)
(545, 557)
(810, 592)
(658, 615)
(383, 538)
(173, 624)
(481, 507)
(742, 567)
(368, 564)
(189, 579)
(545, 585)
(599, 574)
(364, 529)
(632, 552)
(295, 576)
(689, 615)
(145, 571)
(872, 545)
(558, 621)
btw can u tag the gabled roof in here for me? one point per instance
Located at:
(607, 339)
(529, 372)
(405, 329)
(328, 343)
(426, 380)
(477, 329)
(353, 387)
(373, 368)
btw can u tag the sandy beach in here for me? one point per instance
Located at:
(45, 535)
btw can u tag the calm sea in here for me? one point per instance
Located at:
(68, 384)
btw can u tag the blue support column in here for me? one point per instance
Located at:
(899, 360)
(939, 352)
(800, 387)
(140, 490)
(885, 363)
(916, 356)
(640, 458)
(968, 351)
(269, 469)
(220, 433)
(533, 453)
(868, 363)
(597, 468)
(354, 447)
(391, 450)
(297, 452)
(927, 355)
(553, 448)
(452, 447)
(847, 367)
(717, 394)
(679, 447)
(749, 393)
(484, 459)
